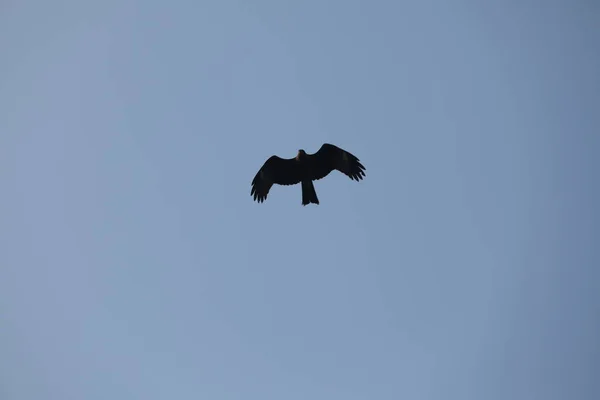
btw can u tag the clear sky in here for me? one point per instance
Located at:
(135, 265)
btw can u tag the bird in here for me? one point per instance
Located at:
(304, 169)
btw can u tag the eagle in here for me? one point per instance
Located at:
(304, 169)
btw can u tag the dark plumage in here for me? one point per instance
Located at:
(304, 169)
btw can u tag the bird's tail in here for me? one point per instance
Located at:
(309, 195)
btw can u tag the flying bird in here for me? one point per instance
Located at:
(304, 169)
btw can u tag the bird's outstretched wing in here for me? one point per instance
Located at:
(282, 171)
(330, 157)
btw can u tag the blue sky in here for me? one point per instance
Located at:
(135, 265)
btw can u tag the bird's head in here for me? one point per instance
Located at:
(301, 154)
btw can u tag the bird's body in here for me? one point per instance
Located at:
(304, 169)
